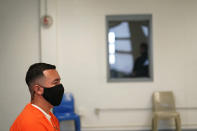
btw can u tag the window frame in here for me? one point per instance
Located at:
(132, 17)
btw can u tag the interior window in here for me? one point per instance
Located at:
(129, 47)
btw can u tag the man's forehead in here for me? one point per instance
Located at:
(51, 73)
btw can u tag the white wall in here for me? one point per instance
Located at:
(19, 47)
(82, 61)
(78, 46)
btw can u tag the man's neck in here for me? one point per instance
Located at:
(43, 104)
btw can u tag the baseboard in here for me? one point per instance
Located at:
(136, 130)
(174, 130)
(143, 130)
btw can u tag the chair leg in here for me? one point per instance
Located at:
(178, 123)
(77, 124)
(154, 124)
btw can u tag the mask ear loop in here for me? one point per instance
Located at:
(33, 92)
(43, 87)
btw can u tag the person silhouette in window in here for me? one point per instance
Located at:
(141, 65)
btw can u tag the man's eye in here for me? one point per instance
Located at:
(56, 82)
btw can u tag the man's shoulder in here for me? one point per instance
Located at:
(30, 112)
(29, 118)
(28, 125)
(29, 115)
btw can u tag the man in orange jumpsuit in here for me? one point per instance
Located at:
(46, 91)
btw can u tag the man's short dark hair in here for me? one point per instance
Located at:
(35, 72)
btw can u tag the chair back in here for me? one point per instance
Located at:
(66, 105)
(163, 101)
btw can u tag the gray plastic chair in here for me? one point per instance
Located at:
(164, 108)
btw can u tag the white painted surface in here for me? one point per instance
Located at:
(82, 60)
(49, 35)
(79, 49)
(19, 47)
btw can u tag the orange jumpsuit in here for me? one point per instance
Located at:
(32, 119)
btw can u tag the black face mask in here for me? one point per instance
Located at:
(54, 94)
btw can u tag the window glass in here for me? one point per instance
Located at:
(129, 47)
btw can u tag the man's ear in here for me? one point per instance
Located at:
(38, 90)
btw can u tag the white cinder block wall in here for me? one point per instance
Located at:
(79, 38)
